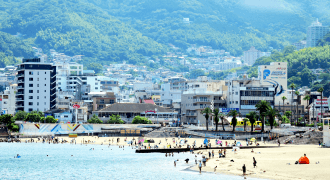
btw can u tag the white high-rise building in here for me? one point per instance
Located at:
(253, 54)
(36, 90)
(315, 32)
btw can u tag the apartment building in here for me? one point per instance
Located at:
(315, 32)
(8, 100)
(246, 93)
(36, 90)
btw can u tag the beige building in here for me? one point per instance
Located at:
(200, 95)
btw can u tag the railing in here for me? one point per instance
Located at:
(201, 100)
(20, 81)
(20, 87)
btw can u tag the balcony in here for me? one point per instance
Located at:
(19, 99)
(20, 93)
(20, 87)
(201, 100)
(20, 81)
(191, 114)
(20, 75)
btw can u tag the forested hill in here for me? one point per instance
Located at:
(113, 31)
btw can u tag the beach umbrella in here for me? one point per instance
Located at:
(141, 140)
(146, 141)
(206, 141)
(129, 142)
(182, 141)
(238, 144)
(252, 139)
(219, 142)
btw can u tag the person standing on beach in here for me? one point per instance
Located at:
(254, 163)
(279, 143)
(174, 163)
(200, 167)
(244, 169)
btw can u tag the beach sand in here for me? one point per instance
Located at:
(272, 163)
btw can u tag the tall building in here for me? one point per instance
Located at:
(315, 32)
(276, 75)
(36, 90)
(252, 55)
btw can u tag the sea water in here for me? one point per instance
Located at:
(66, 161)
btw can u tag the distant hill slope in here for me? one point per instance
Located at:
(11, 47)
(113, 31)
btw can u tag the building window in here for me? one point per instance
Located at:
(38, 103)
(45, 85)
(96, 83)
(236, 93)
(45, 91)
(30, 97)
(30, 85)
(38, 73)
(30, 109)
(37, 91)
(30, 79)
(45, 102)
(96, 88)
(37, 97)
(30, 73)
(236, 102)
(45, 98)
(101, 101)
(37, 85)
(112, 101)
(45, 78)
(30, 91)
(45, 72)
(30, 103)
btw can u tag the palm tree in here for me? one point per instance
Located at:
(262, 107)
(307, 98)
(233, 113)
(252, 117)
(222, 117)
(216, 118)
(292, 86)
(297, 93)
(271, 113)
(245, 120)
(207, 112)
(320, 90)
(283, 99)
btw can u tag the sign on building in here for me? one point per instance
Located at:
(227, 110)
(275, 74)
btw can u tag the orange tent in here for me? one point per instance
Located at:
(304, 160)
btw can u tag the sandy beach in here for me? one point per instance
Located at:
(272, 163)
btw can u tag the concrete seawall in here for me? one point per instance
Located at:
(52, 129)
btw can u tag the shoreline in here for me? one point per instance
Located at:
(272, 163)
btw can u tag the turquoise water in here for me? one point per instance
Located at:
(100, 163)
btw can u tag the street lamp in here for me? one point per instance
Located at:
(156, 110)
(212, 108)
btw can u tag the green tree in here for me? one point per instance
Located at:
(6, 119)
(95, 120)
(272, 113)
(222, 117)
(292, 86)
(233, 113)
(20, 115)
(283, 99)
(216, 118)
(195, 73)
(320, 90)
(115, 119)
(141, 120)
(285, 120)
(207, 112)
(50, 119)
(245, 120)
(262, 106)
(288, 114)
(97, 67)
(252, 116)
(33, 117)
